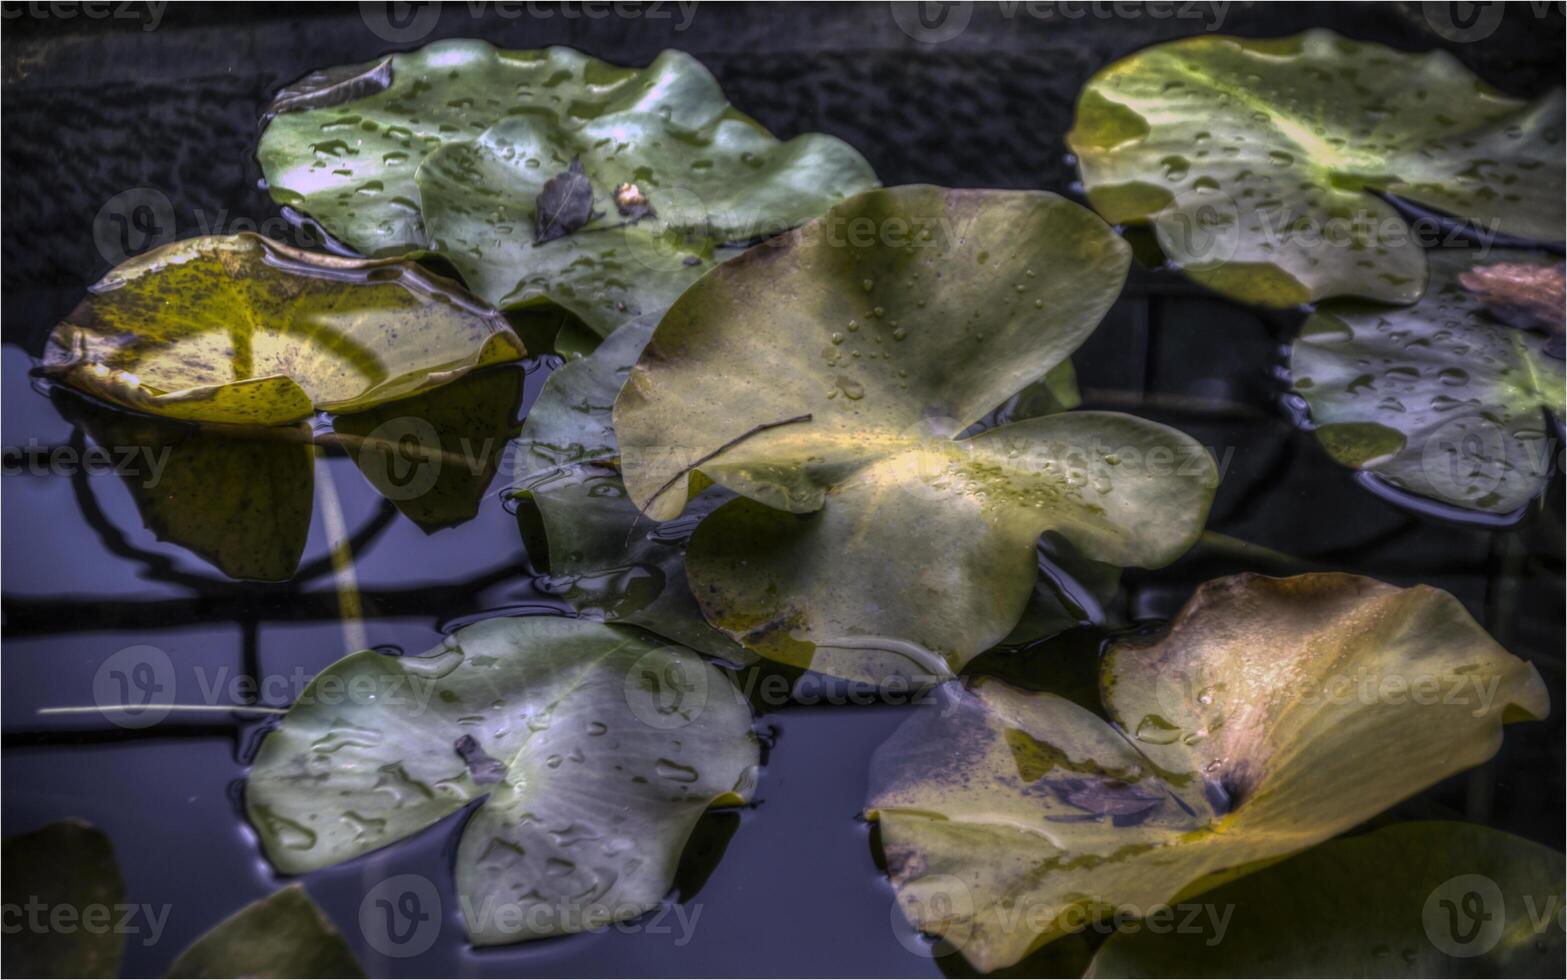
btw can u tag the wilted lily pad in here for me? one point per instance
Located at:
(69, 864)
(825, 377)
(1410, 900)
(456, 154)
(1274, 714)
(1259, 161)
(283, 935)
(241, 329)
(604, 557)
(1438, 398)
(596, 746)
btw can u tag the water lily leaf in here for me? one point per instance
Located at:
(1529, 297)
(1273, 714)
(434, 455)
(454, 154)
(1410, 900)
(283, 935)
(65, 865)
(605, 558)
(1437, 398)
(1259, 161)
(241, 329)
(613, 744)
(824, 377)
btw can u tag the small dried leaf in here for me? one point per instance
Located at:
(1530, 297)
(565, 204)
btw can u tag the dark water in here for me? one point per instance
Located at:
(96, 107)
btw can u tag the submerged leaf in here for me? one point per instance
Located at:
(825, 377)
(1437, 398)
(604, 557)
(1259, 161)
(283, 935)
(241, 329)
(1273, 714)
(564, 205)
(69, 864)
(613, 745)
(1410, 900)
(454, 154)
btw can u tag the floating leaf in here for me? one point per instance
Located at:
(613, 745)
(1436, 398)
(1260, 161)
(1273, 714)
(825, 376)
(1410, 900)
(241, 329)
(564, 205)
(453, 155)
(604, 557)
(283, 935)
(65, 865)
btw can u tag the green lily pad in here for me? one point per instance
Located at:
(1410, 900)
(1259, 161)
(604, 557)
(1273, 714)
(1437, 398)
(596, 749)
(283, 935)
(453, 155)
(240, 329)
(825, 376)
(67, 866)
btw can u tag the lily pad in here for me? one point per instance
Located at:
(1437, 398)
(825, 377)
(1273, 715)
(241, 329)
(604, 557)
(595, 747)
(1263, 163)
(68, 865)
(1410, 900)
(454, 154)
(283, 935)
